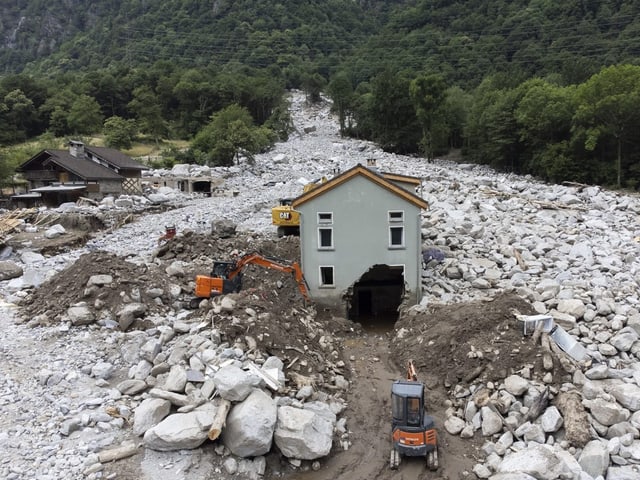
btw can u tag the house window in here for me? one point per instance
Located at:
(396, 216)
(396, 228)
(326, 277)
(396, 237)
(325, 218)
(325, 238)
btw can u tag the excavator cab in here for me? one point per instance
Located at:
(413, 432)
(222, 269)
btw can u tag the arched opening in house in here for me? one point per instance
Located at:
(376, 297)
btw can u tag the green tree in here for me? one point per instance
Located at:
(17, 116)
(148, 112)
(229, 135)
(492, 131)
(313, 84)
(119, 132)
(85, 116)
(341, 92)
(543, 116)
(428, 93)
(197, 97)
(386, 114)
(608, 108)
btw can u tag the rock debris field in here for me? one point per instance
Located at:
(527, 337)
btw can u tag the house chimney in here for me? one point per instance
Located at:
(372, 165)
(76, 148)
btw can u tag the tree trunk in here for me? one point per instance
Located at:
(576, 420)
(219, 419)
(118, 453)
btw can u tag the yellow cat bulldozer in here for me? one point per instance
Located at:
(285, 217)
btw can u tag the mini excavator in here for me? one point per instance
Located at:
(413, 432)
(226, 277)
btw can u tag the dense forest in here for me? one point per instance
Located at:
(538, 87)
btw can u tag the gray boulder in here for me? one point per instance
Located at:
(100, 280)
(234, 384)
(9, 270)
(627, 395)
(543, 462)
(80, 315)
(551, 420)
(516, 385)
(624, 339)
(181, 430)
(54, 231)
(250, 425)
(176, 379)
(606, 413)
(594, 458)
(150, 413)
(303, 434)
(131, 386)
(127, 314)
(491, 422)
(512, 476)
(624, 472)
(223, 228)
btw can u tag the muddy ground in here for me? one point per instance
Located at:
(452, 346)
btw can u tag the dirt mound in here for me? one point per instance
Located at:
(458, 344)
(277, 322)
(68, 287)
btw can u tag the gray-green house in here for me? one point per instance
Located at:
(360, 242)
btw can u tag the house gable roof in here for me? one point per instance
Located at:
(115, 157)
(360, 170)
(82, 167)
(397, 177)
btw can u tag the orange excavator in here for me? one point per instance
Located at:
(413, 432)
(226, 277)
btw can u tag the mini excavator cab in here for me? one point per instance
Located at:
(413, 432)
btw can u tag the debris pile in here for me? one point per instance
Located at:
(123, 367)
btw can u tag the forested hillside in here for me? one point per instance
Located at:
(533, 86)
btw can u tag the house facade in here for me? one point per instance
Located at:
(360, 242)
(59, 176)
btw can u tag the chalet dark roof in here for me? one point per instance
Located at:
(360, 170)
(115, 157)
(82, 167)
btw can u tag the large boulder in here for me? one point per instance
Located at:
(627, 395)
(303, 434)
(543, 462)
(127, 314)
(234, 384)
(250, 425)
(9, 270)
(150, 413)
(181, 430)
(594, 458)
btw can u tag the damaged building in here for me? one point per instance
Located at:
(360, 242)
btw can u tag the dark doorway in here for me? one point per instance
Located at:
(202, 186)
(376, 297)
